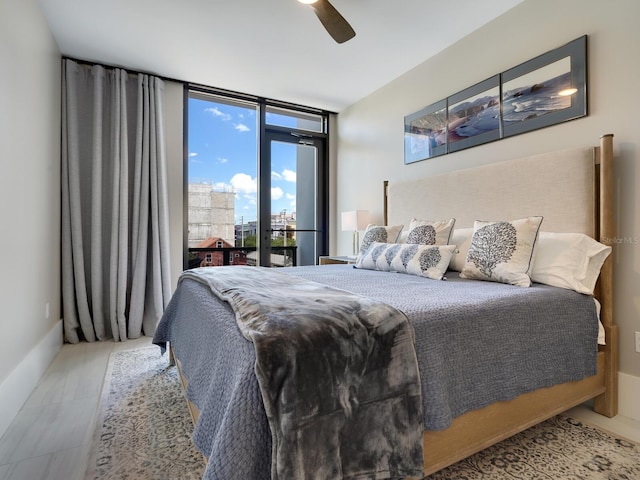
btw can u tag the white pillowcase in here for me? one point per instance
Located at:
(428, 232)
(502, 251)
(461, 238)
(429, 261)
(569, 260)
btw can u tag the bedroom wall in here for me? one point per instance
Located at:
(370, 140)
(30, 198)
(29, 201)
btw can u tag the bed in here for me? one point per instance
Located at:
(469, 404)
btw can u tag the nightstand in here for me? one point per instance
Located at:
(333, 259)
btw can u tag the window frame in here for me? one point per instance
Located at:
(263, 133)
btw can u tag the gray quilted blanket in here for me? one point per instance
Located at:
(476, 342)
(337, 371)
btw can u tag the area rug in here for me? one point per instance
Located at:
(143, 429)
(144, 433)
(560, 448)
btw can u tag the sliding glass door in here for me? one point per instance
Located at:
(296, 199)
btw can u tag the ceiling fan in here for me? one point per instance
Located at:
(333, 22)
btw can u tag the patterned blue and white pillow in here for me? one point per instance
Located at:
(502, 251)
(428, 232)
(379, 233)
(429, 261)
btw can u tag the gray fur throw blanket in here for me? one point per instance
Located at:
(337, 371)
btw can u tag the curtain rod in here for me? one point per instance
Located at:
(128, 70)
(205, 88)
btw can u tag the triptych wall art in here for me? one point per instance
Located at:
(544, 91)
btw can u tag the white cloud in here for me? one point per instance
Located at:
(289, 175)
(222, 160)
(241, 127)
(222, 187)
(286, 175)
(292, 201)
(276, 193)
(217, 113)
(194, 159)
(244, 183)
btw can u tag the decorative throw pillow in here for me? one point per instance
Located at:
(427, 232)
(461, 238)
(569, 260)
(502, 251)
(378, 233)
(429, 261)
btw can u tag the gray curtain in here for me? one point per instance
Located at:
(115, 237)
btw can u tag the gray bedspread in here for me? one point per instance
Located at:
(476, 342)
(337, 371)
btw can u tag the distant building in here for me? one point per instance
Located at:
(217, 258)
(211, 214)
(283, 222)
(244, 230)
(211, 218)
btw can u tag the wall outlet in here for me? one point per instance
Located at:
(638, 342)
(47, 312)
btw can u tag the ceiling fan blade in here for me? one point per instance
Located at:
(333, 22)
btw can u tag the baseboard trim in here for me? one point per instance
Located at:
(17, 387)
(628, 394)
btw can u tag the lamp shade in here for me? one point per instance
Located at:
(355, 220)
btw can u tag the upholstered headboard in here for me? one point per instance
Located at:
(560, 186)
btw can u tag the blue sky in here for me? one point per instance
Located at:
(223, 153)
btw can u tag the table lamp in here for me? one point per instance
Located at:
(354, 221)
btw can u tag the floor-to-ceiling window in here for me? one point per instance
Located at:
(256, 181)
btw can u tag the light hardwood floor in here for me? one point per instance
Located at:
(49, 438)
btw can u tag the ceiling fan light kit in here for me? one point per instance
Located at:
(331, 19)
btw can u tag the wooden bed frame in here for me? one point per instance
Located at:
(479, 429)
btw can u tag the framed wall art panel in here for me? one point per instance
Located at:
(546, 90)
(425, 133)
(474, 115)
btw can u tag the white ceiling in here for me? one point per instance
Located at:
(276, 49)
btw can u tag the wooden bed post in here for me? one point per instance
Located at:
(607, 403)
(385, 202)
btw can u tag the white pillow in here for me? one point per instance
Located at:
(429, 261)
(461, 238)
(378, 233)
(569, 260)
(502, 251)
(428, 232)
